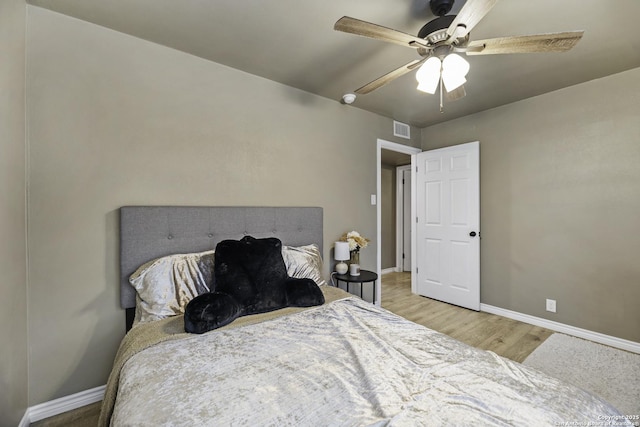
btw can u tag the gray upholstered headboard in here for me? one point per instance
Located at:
(149, 232)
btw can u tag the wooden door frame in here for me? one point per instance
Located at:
(400, 148)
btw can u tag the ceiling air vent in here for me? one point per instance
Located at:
(402, 130)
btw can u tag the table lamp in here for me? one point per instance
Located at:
(341, 254)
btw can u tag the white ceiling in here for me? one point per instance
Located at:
(293, 42)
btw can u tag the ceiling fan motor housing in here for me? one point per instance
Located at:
(440, 25)
(441, 7)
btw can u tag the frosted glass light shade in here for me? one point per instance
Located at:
(456, 64)
(454, 70)
(428, 75)
(452, 81)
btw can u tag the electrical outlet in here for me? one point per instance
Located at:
(551, 305)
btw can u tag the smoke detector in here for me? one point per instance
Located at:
(348, 98)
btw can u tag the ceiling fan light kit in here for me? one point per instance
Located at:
(440, 40)
(452, 69)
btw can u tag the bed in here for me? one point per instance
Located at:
(345, 362)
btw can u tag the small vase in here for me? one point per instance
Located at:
(355, 257)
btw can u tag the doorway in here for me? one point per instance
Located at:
(392, 209)
(387, 150)
(403, 218)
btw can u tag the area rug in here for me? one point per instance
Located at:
(607, 372)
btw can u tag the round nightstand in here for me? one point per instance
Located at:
(365, 276)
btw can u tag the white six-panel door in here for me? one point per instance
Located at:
(448, 224)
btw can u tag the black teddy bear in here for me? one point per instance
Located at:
(250, 277)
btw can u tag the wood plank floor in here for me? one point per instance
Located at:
(509, 338)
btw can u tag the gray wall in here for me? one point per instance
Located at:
(560, 203)
(115, 120)
(13, 255)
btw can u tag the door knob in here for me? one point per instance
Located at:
(472, 234)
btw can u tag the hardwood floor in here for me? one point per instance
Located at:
(509, 338)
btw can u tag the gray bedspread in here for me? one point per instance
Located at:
(346, 363)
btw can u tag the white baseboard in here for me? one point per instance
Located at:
(388, 270)
(620, 343)
(63, 404)
(24, 422)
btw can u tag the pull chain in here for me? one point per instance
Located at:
(441, 102)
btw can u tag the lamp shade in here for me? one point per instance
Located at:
(341, 252)
(454, 70)
(428, 75)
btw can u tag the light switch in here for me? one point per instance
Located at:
(373, 199)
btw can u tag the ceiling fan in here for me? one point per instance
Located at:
(439, 41)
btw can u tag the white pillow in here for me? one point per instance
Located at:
(304, 262)
(165, 285)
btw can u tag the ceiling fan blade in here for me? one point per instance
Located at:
(470, 14)
(552, 42)
(456, 94)
(367, 29)
(390, 76)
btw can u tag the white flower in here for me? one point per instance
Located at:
(355, 240)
